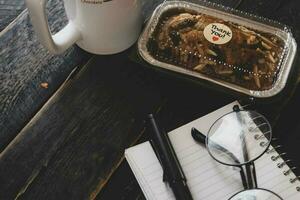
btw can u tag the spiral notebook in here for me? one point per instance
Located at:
(206, 178)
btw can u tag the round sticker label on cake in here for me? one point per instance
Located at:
(217, 33)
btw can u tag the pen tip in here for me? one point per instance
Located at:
(198, 136)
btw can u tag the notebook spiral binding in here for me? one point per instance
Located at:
(275, 156)
(274, 151)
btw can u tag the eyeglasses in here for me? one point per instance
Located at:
(238, 139)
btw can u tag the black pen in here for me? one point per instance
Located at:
(171, 167)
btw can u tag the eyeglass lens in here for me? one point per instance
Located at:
(239, 138)
(255, 194)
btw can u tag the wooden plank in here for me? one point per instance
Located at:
(177, 112)
(184, 103)
(69, 149)
(284, 11)
(9, 10)
(77, 159)
(24, 65)
(288, 131)
(123, 186)
(61, 154)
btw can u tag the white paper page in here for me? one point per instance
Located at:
(148, 171)
(206, 178)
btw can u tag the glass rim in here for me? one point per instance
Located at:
(244, 163)
(262, 189)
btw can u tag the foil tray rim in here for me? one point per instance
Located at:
(152, 23)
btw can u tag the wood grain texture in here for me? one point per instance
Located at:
(288, 131)
(72, 145)
(24, 65)
(122, 186)
(75, 171)
(9, 10)
(180, 111)
(280, 113)
(70, 149)
(284, 11)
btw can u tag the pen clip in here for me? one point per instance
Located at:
(247, 103)
(159, 159)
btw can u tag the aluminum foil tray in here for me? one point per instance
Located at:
(242, 52)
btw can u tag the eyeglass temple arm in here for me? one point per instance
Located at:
(201, 138)
(249, 181)
(248, 176)
(250, 169)
(243, 177)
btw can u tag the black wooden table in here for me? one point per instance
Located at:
(67, 141)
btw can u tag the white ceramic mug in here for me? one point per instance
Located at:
(97, 26)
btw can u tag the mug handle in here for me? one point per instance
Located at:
(58, 42)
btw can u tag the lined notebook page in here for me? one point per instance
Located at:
(206, 178)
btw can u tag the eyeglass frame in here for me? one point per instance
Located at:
(249, 178)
